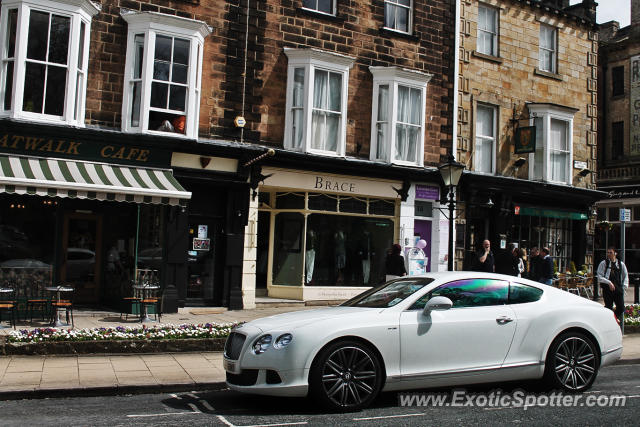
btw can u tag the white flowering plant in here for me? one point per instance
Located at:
(156, 332)
(632, 315)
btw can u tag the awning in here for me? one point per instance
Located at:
(87, 180)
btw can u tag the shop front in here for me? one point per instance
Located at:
(79, 209)
(609, 225)
(528, 214)
(323, 236)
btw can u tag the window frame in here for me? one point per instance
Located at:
(429, 294)
(495, 36)
(152, 24)
(311, 60)
(617, 84)
(395, 78)
(554, 50)
(395, 4)
(79, 12)
(316, 10)
(494, 138)
(548, 112)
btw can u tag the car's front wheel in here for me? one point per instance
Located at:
(572, 362)
(346, 376)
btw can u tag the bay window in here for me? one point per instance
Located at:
(398, 111)
(44, 48)
(163, 74)
(317, 89)
(552, 158)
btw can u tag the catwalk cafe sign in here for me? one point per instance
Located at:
(42, 146)
(326, 183)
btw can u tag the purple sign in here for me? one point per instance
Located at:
(427, 192)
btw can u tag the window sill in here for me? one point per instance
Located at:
(547, 74)
(317, 14)
(159, 133)
(490, 58)
(389, 32)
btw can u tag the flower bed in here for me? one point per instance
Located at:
(632, 315)
(121, 333)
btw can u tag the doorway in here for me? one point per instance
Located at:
(203, 288)
(81, 255)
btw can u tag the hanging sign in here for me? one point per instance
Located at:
(525, 141)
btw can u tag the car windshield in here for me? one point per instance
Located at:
(388, 294)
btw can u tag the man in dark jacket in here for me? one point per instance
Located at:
(534, 264)
(546, 271)
(484, 259)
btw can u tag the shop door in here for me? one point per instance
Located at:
(81, 255)
(202, 286)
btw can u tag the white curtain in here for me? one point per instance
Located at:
(327, 100)
(538, 157)
(297, 107)
(485, 137)
(408, 126)
(382, 125)
(559, 150)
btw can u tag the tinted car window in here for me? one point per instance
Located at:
(388, 294)
(469, 293)
(519, 293)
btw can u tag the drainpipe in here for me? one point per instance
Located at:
(456, 71)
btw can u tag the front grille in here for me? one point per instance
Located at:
(247, 377)
(233, 346)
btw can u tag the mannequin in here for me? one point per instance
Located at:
(341, 254)
(310, 256)
(365, 255)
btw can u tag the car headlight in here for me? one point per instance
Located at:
(283, 341)
(262, 344)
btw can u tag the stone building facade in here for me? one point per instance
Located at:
(619, 138)
(527, 73)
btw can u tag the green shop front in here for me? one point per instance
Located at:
(84, 208)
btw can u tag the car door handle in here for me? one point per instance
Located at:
(503, 320)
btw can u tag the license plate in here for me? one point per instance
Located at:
(228, 365)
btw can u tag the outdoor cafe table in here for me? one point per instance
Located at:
(58, 289)
(144, 318)
(5, 291)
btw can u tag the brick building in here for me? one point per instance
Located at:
(619, 138)
(527, 127)
(124, 154)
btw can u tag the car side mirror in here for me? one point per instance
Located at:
(437, 304)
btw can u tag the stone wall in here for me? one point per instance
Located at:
(511, 80)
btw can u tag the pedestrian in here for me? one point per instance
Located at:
(484, 258)
(395, 263)
(546, 267)
(614, 280)
(534, 264)
(521, 255)
(507, 262)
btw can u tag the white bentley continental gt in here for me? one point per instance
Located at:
(438, 329)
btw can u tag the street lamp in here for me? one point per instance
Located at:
(451, 172)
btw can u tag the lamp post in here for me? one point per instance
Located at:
(451, 172)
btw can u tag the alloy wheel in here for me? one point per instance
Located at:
(349, 376)
(575, 363)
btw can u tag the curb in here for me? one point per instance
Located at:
(39, 393)
(631, 361)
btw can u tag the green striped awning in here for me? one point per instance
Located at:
(86, 180)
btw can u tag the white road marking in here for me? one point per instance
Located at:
(592, 391)
(224, 420)
(275, 425)
(161, 415)
(388, 416)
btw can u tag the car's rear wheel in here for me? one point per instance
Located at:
(572, 362)
(346, 376)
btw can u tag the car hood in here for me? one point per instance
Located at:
(297, 319)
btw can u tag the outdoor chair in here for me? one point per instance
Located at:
(8, 304)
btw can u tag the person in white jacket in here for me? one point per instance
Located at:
(614, 280)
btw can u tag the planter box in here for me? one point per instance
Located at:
(631, 329)
(117, 346)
